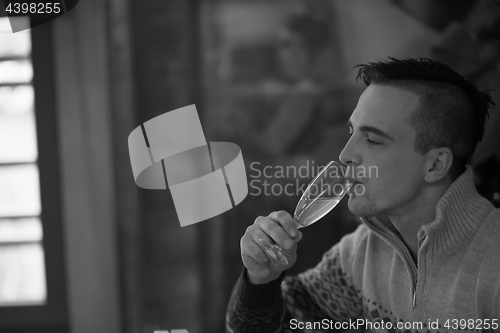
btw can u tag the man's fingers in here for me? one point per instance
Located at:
(286, 221)
(276, 232)
(265, 233)
(298, 238)
(254, 251)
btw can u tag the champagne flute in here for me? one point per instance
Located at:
(321, 195)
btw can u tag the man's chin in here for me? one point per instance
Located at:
(359, 207)
(353, 204)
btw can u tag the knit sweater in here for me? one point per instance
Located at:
(370, 278)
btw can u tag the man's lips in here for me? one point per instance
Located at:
(354, 181)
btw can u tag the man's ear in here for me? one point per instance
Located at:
(438, 163)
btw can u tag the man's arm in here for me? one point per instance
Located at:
(321, 294)
(255, 308)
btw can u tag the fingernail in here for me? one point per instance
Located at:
(293, 232)
(288, 243)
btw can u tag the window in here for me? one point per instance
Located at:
(22, 266)
(32, 289)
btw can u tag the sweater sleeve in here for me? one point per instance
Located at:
(325, 292)
(255, 308)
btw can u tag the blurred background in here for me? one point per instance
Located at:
(83, 249)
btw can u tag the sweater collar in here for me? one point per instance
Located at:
(459, 212)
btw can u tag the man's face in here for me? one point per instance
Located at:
(382, 145)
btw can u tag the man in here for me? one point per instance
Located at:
(426, 256)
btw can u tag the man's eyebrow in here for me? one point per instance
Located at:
(374, 130)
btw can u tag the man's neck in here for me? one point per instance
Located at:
(421, 212)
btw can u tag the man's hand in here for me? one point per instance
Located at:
(277, 227)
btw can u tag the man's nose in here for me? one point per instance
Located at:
(348, 155)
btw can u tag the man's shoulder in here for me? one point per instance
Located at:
(494, 214)
(491, 222)
(489, 230)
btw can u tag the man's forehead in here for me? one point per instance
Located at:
(384, 105)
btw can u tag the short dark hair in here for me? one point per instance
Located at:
(452, 113)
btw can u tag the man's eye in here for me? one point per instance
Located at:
(372, 142)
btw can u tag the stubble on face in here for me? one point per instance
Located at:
(361, 204)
